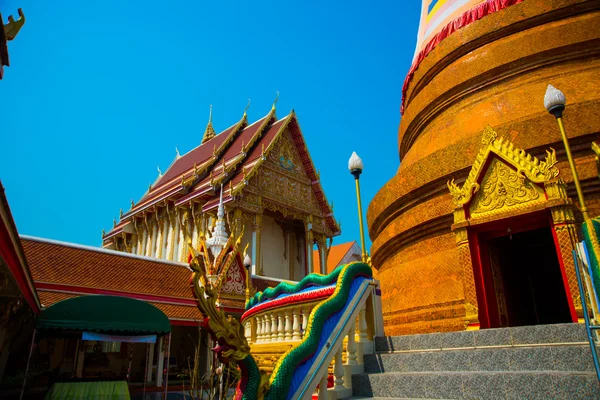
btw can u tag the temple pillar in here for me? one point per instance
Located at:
(151, 238)
(291, 253)
(173, 232)
(161, 362)
(564, 231)
(256, 244)
(149, 364)
(309, 245)
(471, 318)
(134, 243)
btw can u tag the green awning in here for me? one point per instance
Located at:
(106, 314)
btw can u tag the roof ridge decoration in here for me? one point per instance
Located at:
(527, 166)
(264, 153)
(232, 166)
(209, 132)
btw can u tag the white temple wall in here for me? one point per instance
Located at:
(274, 262)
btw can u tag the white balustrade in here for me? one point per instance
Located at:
(273, 328)
(259, 337)
(296, 325)
(288, 325)
(280, 327)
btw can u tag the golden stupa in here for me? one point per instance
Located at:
(476, 228)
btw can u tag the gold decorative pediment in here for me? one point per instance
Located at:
(527, 169)
(502, 188)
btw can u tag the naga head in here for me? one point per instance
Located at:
(227, 332)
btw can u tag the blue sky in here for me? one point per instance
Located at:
(98, 95)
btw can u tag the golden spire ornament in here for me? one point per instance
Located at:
(246, 109)
(275, 102)
(209, 132)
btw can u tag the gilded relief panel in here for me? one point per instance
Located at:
(503, 189)
(283, 178)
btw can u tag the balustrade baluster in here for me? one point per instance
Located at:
(259, 337)
(323, 387)
(305, 313)
(362, 325)
(288, 325)
(280, 327)
(351, 348)
(248, 330)
(273, 327)
(296, 327)
(267, 331)
(338, 371)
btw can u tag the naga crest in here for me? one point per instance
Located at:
(225, 330)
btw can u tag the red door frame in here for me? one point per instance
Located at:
(479, 235)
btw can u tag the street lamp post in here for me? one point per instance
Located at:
(355, 165)
(247, 265)
(554, 101)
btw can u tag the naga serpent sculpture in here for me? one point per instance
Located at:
(228, 333)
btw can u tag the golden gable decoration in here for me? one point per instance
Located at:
(510, 186)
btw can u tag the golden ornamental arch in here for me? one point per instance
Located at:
(503, 182)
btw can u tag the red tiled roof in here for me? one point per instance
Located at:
(64, 270)
(241, 148)
(105, 269)
(172, 311)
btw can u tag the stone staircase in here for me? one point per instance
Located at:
(532, 362)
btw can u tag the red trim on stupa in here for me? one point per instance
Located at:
(474, 14)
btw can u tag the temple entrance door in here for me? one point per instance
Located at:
(521, 278)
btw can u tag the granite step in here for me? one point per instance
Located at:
(478, 385)
(523, 335)
(564, 357)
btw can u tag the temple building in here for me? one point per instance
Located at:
(263, 176)
(7, 33)
(477, 227)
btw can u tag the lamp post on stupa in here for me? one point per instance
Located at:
(554, 101)
(247, 265)
(355, 165)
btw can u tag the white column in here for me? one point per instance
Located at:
(248, 330)
(323, 254)
(288, 325)
(305, 313)
(273, 327)
(143, 242)
(280, 327)
(182, 249)
(338, 371)
(296, 326)
(164, 239)
(267, 335)
(323, 387)
(351, 347)
(150, 363)
(161, 362)
(259, 328)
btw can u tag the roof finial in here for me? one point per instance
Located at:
(159, 171)
(275, 102)
(247, 107)
(209, 132)
(177, 155)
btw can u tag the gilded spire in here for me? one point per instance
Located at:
(246, 109)
(209, 132)
(275, 102)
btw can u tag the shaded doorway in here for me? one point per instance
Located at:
(526, 279)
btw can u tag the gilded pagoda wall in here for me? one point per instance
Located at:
(494, 71)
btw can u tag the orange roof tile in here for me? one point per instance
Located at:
(172, 311)
(336, 255)
(65, 270)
